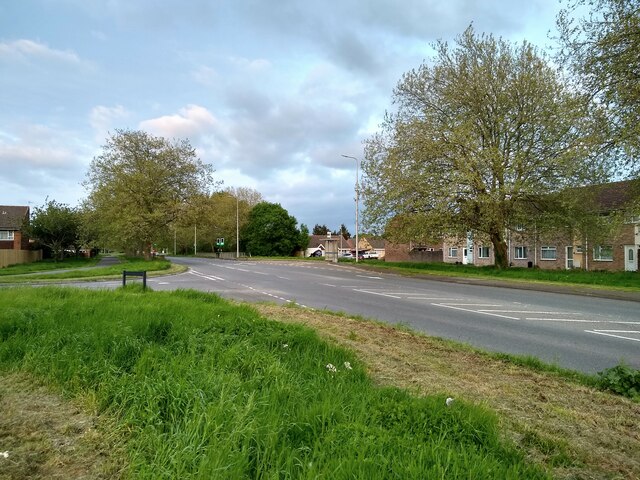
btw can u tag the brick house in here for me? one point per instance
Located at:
(14, 244)
(527, 247)
(12, 219)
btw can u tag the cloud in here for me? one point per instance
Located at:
(191, 122)
(37, 161)
(28, 49)
(102, 119)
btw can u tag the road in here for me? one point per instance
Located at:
(577, 332)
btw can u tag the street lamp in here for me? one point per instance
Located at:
(357, 197)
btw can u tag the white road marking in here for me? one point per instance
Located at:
(568, 320)
(367, 276)
(377, 293)
(431, 298)
(473, 311)
(601, 332)
(536, 313)
(472, 305)
(208, 277)
(619, 331)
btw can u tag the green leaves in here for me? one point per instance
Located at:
(479, 134)
(140, 184)
(270, 231)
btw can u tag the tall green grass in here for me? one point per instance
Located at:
(75, 271)
(205, 389)
(630, 280)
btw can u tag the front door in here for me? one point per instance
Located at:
(569, 258)
(630, 258)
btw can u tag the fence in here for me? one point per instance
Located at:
(12, 257)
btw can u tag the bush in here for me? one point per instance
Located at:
(621, 379)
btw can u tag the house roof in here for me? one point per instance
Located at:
(315, 241)
(617, 195)
(12, 217)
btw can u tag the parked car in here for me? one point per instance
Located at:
(347, 255)
(371, 254)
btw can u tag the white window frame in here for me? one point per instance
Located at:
(6, 235)
(453, 252)
(520, 252)
(482, 249)
(548, 249)
(598, 253)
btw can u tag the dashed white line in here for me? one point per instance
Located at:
(473, 311)
(604, 332)
(377, 293)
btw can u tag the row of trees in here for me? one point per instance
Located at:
(491, 134)
(147, 193)
(324, 230)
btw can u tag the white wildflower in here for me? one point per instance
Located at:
(331, 368)
(285, 345)
(4, 454)
(347, 365)
(449, 401)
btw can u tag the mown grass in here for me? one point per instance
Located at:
(74, 271)
(625, 280)
(49, 264)
(202, 388)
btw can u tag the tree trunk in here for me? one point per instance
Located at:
(500, 249)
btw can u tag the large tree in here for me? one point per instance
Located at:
(600, 43)
(56, 226)
(478, 136)
(140, 184)
(270, 231)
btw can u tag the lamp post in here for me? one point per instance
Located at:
(357, 198)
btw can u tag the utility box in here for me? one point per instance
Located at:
(331, 249)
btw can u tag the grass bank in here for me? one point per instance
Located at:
(620, 280)
(201, 388)
(74, 270)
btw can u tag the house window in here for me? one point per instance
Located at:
(6, 235)
(483, 252)
(520, 253)
(453, 252)
(548, 253)
(520, 227)
(603, 253)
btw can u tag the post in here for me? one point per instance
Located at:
(237, 227)
(357, 197)
(130, 273)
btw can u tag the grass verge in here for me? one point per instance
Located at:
(157, 266)
(617, 280)
(201, 388)
(554, 417)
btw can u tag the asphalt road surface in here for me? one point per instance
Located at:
(578, 332)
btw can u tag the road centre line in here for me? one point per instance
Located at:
(600, 332)
(376, 293)
(567, 320)
(474, 311)
(432, 298)
(472, 305)
(537, 313)
(208, 277)
(367, 276)
(619, 331)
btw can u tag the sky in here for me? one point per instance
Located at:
(271, 93)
